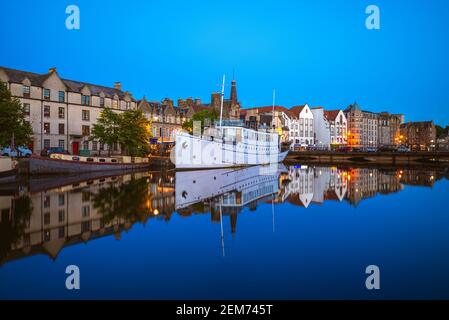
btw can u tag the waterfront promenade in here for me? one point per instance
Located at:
(390, 158)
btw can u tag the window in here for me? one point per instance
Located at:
(46, 127)
(115, 104)
(61, 232)
(85, 130)
(61, 96)
(46, 94)
(26, 109)
(101, 102)
(47, 218)
(61, 200)
(85, 100)
(94, 145)
(115, 146)
(46, 143)
(26, 91)
(101, 146)
(47, 202)
(85, 115)
(85, 211)
(61, 113)
(61, 128)
(61, 215)
(85, 196)
(61, 144)
(47, 111)
(128, 105)
(86, 145)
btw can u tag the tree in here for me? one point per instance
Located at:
(12, 120)
(107, 128)
(442, 132)
(202, 115)
(134, 134)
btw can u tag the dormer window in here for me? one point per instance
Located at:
(46, 94)
(85, 100)
(26, 91)
(101, 102)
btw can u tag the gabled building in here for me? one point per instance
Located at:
(338, 126)
(62, 112)
(166, 119)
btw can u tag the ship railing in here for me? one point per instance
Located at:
(121, 159)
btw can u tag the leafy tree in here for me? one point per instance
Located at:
(107, 128)
(129, 129)
(134, 135)
(442, 132)
(212, 115)
(12, 120)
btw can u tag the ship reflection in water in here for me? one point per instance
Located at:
(42, 217)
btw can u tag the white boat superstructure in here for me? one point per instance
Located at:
(227, 146)
(238, 187)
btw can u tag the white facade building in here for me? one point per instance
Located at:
(321, 126)
(338, 125)
(301, 126)
(62, 112)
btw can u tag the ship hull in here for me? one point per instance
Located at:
(192, 152)
(39, 165)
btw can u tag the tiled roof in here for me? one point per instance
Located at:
(37, 80)
(331, 115)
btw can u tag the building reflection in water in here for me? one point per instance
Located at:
(34, 221)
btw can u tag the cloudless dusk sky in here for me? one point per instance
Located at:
(312, 51)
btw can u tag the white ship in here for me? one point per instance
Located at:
(237, 187)
(226, 146)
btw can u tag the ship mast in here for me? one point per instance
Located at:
(221, 104)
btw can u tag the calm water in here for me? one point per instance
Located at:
(267, 233)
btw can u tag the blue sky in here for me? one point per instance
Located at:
(315, 51)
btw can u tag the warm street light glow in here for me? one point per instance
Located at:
(156, 212)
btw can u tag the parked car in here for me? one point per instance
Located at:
(344, 149)
(388, 149)
(49, 151)
(17, 153)
(371, 149)
(403, 149)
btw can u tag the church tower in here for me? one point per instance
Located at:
(234, 92)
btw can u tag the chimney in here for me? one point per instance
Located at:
(197, 101)
(118, 85)
(52, 70)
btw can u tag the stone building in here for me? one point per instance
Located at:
(389, 128)
(362, 127)
(62, 112)
(166, 119)
(419, 135)
(231, 106)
